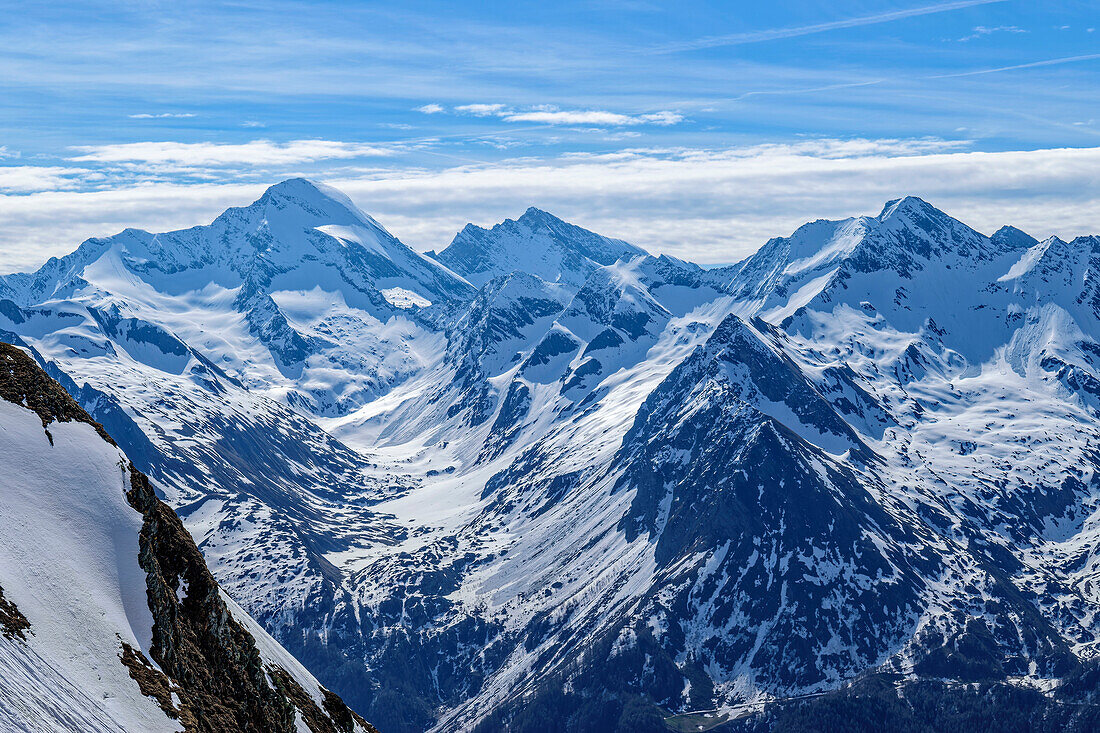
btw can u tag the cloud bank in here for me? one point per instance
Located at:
(707, 205)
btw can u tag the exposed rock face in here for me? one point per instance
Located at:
(24, 383)
(210, 674)
(197, 641)
(12, 622)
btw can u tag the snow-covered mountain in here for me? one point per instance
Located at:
(558, 479)
(537, 243)
(294, 295)
(110, 620)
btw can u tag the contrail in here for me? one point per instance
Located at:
(737, 39)
(1032, 65)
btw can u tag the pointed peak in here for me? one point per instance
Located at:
(908, 205)
(294, 186)
(733, 330)
(1091, 241)
(469, 229)
(923, 230)
(675, 262)
(300, 202)
(535, 215)
(304, 191)
(538, 243)
(1010, 237)
(1054, 247)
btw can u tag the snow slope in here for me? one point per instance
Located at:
(536, 243)
(69, 554)
(72, 566)
(604, 484)
(300, 296)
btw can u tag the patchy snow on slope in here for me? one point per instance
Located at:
(404, 298)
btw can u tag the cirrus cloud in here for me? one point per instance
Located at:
(205, 154)
(982, 31)
(548, 114)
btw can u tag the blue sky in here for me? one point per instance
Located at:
(694, 128)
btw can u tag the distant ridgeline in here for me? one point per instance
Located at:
(544, 480)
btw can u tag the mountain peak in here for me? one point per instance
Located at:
(536, 212)
(911, 228)
(537, 243)
(908, 205)
(535, 216)
(299, 231)
(296, 196)
(904, 238)
(1010, 237)
(299, 186)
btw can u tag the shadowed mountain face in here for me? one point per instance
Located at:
(557, 481)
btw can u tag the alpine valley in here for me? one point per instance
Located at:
(543, 480)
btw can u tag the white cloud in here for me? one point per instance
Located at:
(983, 30)
(575, 117)
(718, 206)
(551, 116)
(548, 114)
(161, 116)
(256, 152)
(430, 109)
(706, 205)
(662, 118)
(27, 178)
(480, 110)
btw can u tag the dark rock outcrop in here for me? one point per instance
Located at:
(13, 624)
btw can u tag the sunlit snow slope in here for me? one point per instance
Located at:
(555, 478)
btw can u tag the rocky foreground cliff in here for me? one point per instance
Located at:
(110, 619)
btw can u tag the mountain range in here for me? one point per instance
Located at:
(542, 477)
(110, 620)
